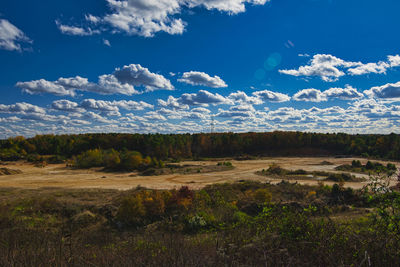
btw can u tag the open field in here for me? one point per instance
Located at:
(58, 175)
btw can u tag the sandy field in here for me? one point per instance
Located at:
(59, 176)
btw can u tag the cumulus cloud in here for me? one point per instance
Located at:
(367, 115)
(38, 117)
(108, 108)
(203, 98)
(387, 91)
(330, 68)
(346, 93)
(96, 117)
(10, 119)
(11, 37)
(146, 18)
(27, 111)
(173, 103)
(121, 81)
(312, 95)
(242, 97)
(378, 68)
(394, 60)
(237, 111)
(132, 105)
(152, 115)
(21, 108)
(201, 110)
(100, 105)
(270, 96)
(61, 87)
(66, 105)
(137, 75)
(202, 79)
(322, 65)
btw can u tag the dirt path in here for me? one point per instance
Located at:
(60, 176)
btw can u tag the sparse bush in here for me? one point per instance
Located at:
(225, 163)
(276, 169)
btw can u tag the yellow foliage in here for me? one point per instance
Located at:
(262, 195)
(311, 194)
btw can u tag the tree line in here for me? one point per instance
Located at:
(177, 146)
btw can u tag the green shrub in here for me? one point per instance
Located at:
(88, 159)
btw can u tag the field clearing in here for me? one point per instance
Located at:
(59, 176)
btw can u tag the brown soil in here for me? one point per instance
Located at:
(57, 175)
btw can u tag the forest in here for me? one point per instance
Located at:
(202, 145)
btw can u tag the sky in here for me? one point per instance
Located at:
(189, 66)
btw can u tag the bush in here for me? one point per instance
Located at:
(114, 160)
(276, 169)
(356, 164)
(298, 172)
(88, 159)
(225, 163)
(132, 211)
(262, 196)
(342, 177)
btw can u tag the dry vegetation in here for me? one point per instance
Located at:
(58, 175)
(7, 171)
(239, 224)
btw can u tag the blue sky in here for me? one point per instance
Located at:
(169, 66)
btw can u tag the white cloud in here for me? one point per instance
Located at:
(10, 119)
(92, 19)
(330, 68)
(322, 65)
(38, 117)
(346, 93)
(74, 30)
(270, 96)
(108, 84)
(137, 75)
(106, 42)
(111, 108)
(388, 91)
(203, 98)
(146, 18)
(237, 112)
(394, 60)
(312, 95)
(11, 36)
(100, 105)
(172, 102)
(97, 118)
(21, 108)
(378, 68)
(132, 105)
(201, 110)
(202, 79)
(121, 81)
(61, 87)
(152, 115)
(66, 105)
(242, 97)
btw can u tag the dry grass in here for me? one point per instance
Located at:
(59, 176)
